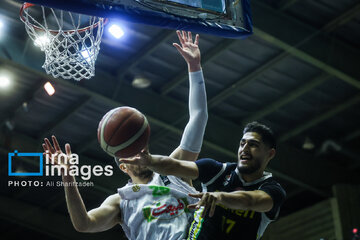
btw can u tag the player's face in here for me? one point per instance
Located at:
(139, 171)
(252, 153)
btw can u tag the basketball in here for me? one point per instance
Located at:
(123, 132)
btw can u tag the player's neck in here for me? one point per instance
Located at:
(140, 180)
(253, 176)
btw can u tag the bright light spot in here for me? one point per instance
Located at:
(2, 28)
(49, 88)
(4, 81)
(141, 82)
(42, 41)
(116, 31)
(86, 55)
(355, 230)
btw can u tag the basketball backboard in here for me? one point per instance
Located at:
(225, 18)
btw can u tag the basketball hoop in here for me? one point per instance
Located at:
(71, 41)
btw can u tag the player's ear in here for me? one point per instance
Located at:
(271, 154)
(123, 167)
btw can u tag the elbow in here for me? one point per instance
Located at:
(81, 228)
(200, 117)
(203, 114)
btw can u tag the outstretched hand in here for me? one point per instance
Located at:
(208, 200)
(189, 49)
(52, 151)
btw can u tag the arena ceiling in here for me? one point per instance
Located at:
(298, 73)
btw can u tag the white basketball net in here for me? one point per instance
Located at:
(71, 46)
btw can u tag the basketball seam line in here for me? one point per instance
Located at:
(124, 121)
(103, 142)
(132, 139)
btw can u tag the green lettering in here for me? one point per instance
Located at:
(159, 190)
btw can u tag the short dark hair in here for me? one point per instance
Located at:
(265, 132)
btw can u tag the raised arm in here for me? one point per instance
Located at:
(99, 219)
(193, 134)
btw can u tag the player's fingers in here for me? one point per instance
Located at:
(56, 143)
(192, 206)
(184, 36)
(209, 200)
(54, 158)
(46, 153)
(67, 149)
(178, 47)
(206, 208)
(44, 147)
(203, 200)
(189, 37)
(180, 37)
(197, 39)
(196, 195)
(49, 147)
(212, 208)
(128, 160)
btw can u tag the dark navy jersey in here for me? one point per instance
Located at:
(233, 223)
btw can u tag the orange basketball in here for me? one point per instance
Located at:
(123, 132)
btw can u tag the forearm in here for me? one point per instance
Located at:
(193, 135)
(256, 200)
(236, 200)
(76, 207)
(165, 165)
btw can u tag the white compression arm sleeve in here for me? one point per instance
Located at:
(193, 135)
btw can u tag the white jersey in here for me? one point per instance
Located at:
(154, 211)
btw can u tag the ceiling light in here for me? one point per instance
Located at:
(4, 81)
(25, 106)
(141, 82)
(49, 88)
(116, 31)
(308, 144)
(10, 124)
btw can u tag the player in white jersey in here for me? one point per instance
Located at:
(150, 206)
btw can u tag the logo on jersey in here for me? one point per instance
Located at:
(227, 180)
(165, 209)
(136, 188)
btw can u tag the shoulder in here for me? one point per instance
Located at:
(208, 168)
(272, 184)
(206, 160)
(277, 194)
(112, 200)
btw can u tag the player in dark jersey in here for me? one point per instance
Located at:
(241, 198)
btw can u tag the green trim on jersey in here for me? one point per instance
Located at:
(196, 225)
